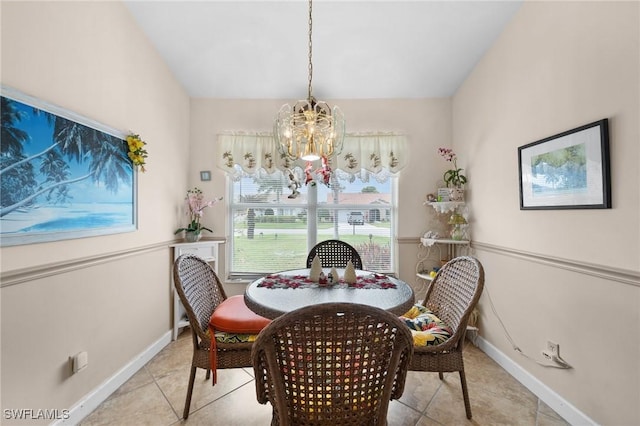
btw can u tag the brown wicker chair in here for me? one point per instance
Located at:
(201, 294)
(451, 296)
(334, 253)
(332, 364)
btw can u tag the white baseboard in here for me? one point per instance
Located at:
(561, 406)
(93, 399)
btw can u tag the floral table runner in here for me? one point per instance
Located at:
(369, 281)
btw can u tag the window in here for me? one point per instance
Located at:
(273, 228)
(273, 231)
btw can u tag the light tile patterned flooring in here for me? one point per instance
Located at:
(155, 396)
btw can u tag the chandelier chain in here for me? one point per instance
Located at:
(310, 49)
(309, 129)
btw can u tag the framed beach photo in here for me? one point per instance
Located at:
(62, 176)
(569, 170)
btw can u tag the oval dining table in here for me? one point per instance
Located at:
(285, 291)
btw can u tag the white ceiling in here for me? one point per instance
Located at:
(361, 49)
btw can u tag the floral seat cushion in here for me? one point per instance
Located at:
(224, 337)
(426, 328)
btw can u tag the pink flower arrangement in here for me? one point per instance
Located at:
(452, 177)
(195, 209)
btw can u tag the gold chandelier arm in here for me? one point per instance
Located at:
(310, 50)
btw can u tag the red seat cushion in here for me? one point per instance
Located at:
(233, 316)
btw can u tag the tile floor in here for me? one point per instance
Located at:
(155, 396)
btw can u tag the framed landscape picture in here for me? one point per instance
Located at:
(567, 171)
(62, 176)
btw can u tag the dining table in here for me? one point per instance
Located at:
(278, 293)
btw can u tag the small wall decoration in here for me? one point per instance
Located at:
(62, 176)
(569, 170)
(137, 152)
(205, 175)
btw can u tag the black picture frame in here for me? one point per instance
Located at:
(205, 175)
(570, 170)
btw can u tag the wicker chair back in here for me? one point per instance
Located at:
(452, 296)
(454, 293)
(199, 289)
(200, 292)
(334, 253)
(332, 364)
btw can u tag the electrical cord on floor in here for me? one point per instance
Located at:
(559, 362)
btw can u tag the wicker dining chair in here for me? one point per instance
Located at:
(334, 253)
(209, 310)
(451, 296)
(332, 364)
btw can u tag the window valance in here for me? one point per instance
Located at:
(375, 154)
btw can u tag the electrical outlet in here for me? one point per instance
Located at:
(79, 361)
(552, 352)
(553, 349)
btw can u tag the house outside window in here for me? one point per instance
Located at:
(272, 232)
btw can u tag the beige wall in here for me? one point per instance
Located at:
(106, 295)
(571, 276)
(561, 275)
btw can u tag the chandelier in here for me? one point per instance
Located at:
(310, 129)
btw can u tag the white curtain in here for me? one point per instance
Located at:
(377, 155)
